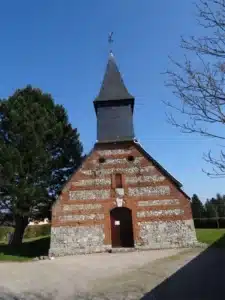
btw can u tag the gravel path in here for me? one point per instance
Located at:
(97, 276)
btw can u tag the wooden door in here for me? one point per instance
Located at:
(115, 232)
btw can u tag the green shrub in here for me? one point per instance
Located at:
(31, 231)
(4, 231)
(34, 231)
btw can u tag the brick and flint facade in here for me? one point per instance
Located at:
(159, 211)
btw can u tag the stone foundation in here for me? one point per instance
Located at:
(171, 234)
(75, 240)
(152, 235)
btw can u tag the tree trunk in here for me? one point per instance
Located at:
(20, 226)
(217, 222)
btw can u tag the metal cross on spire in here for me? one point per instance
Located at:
(110, 40)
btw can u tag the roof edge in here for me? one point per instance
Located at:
(137, 145)
(149, 157)
(157, 164)
(71, 175)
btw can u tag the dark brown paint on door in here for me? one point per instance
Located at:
(122, 234)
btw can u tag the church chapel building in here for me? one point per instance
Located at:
(120, 197)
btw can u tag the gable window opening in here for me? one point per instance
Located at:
(101, 160)
(130, 158)
(118, 181)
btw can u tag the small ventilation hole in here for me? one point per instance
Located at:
(130, 158)
(101, 160)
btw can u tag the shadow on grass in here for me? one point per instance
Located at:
(28, 249)
(203, 278)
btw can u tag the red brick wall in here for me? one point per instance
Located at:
(92, 170)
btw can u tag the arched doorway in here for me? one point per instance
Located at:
(121, 227)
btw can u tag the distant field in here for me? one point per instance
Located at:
(39, 246)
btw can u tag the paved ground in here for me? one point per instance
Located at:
(133, 275)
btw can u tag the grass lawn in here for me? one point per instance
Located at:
(39, 246)
(211, 236)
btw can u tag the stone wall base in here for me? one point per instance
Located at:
(108, 248)
(152, 235)
(161, 247)
(164, 235)
(75, 240)
(75, 251)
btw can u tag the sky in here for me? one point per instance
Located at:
(61, 47)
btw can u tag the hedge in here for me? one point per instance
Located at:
(209, 223)
(31, 231)
(4, 231)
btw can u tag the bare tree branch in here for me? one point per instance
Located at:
(200, 86)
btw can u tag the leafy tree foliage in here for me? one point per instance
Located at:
(211, 213)
(39, 150)
(198, 210)
(210, 208)
(215, 207)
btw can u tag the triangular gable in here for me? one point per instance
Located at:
(142, 151)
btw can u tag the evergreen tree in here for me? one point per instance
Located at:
(220, 205)
(197, 207)
(39, 150)
(211, 210)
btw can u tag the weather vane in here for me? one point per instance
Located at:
(110, 40)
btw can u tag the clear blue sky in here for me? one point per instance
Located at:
(61, 47)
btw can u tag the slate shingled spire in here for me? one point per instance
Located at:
(113, 87)
(114, 107)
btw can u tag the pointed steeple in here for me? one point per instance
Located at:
(114, 107)
(113, 87)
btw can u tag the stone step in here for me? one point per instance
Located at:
(122, 249)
